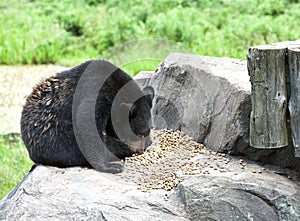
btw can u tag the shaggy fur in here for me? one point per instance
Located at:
(46, 123)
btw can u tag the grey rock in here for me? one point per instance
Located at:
(226, 198)
(49, 193)
(209, 99)
(206, 97)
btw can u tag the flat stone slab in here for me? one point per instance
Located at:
(212, 186)
(50, 193)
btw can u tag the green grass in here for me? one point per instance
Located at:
(135, 35)
(67, 31)
(137, 66)
(14, 162)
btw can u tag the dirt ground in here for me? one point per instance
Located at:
(16, 83)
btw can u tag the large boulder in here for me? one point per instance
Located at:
(227, 198)
(209, 99)
(206, 97)
(49, 193)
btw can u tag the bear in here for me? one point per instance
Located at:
(84, 117)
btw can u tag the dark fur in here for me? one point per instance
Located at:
(46, 123)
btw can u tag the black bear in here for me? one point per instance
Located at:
(87, 116)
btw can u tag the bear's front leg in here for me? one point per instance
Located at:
(105, 165)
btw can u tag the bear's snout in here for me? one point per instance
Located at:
(140, 146)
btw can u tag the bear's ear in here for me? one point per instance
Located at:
(149, 94)
(131, 107)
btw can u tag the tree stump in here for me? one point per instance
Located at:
(294, 102)
(267, 70)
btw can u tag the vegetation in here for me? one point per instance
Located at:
(69, 32)
(14, 162)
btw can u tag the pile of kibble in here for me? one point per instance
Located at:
(171, 156)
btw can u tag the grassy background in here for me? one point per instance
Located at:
(14, 162)
(68, 32)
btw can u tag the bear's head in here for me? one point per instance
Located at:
(133, 127)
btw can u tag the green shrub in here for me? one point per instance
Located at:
(14, 162)
(65, 31)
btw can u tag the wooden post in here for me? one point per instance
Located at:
(294, 102)
(288, 44)
(267, 70)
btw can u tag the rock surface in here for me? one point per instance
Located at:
(208, 98)
(174, 179)
(49, 193)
